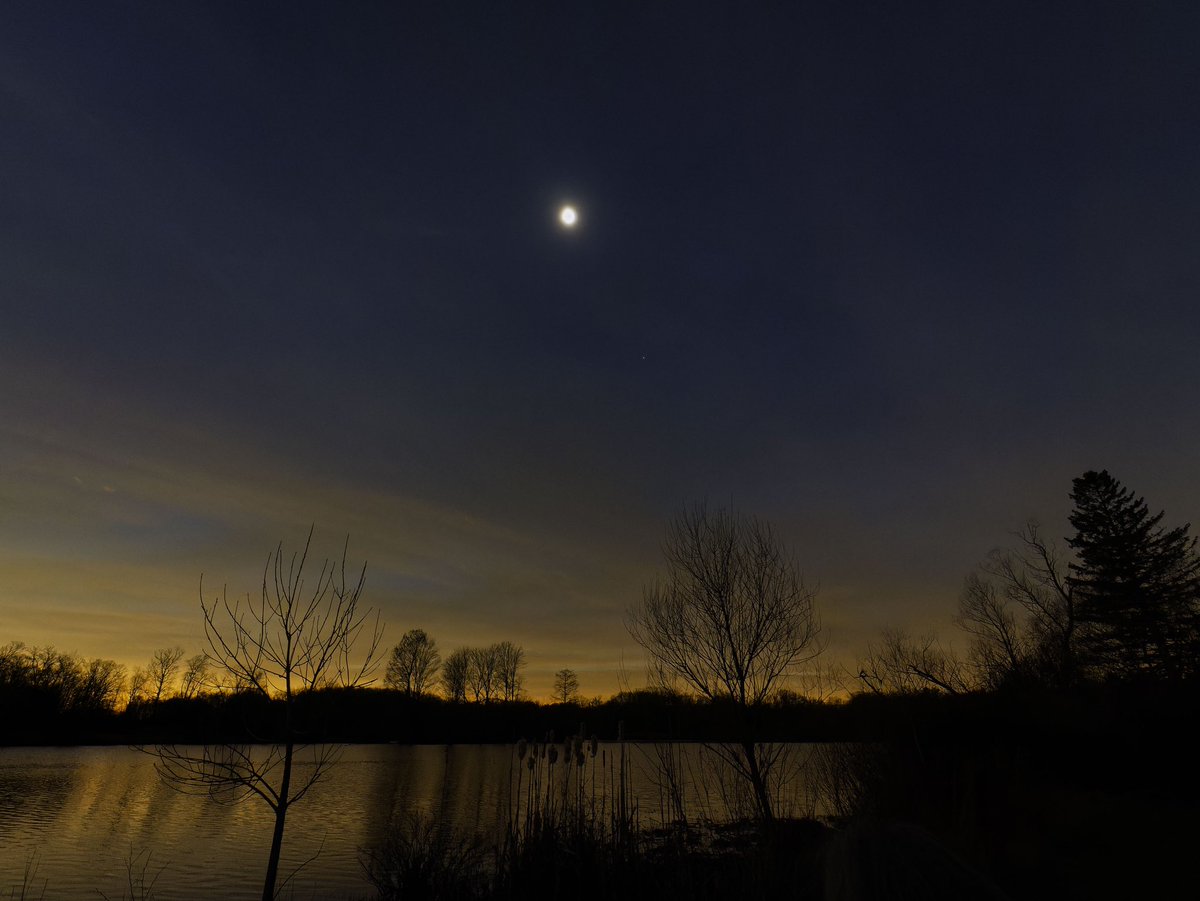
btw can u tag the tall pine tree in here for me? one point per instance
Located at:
(1137, 584)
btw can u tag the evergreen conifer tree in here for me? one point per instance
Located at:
(1137, 583)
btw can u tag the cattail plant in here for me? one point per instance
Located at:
(566, 813)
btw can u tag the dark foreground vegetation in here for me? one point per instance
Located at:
(1086, 793)
(1089, 795)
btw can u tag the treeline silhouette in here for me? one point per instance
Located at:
(47, 696)
(1056, 752)
(1119, 604)
(36, 710)
(1101, 633)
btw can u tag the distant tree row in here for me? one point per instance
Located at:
(63, 682)
(490, 673)
(169, 675)
(1120, 602)
(57, 682)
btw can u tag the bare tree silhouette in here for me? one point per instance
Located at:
(732, 620)
(485, 674)
(163, 668)
(194, 676)
(902, 664)
(293, 640)
(135, 693)
(1019, 609)
(414, 663)
(566, 686)
(510, 660)
(482, 673)
(454, 674)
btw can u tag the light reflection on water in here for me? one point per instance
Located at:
(84, 811)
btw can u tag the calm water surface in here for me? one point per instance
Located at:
(81, 813)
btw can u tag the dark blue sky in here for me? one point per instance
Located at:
(887, 276)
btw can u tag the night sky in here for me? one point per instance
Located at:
(888, 276)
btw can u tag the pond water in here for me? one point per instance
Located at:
(86, 818)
